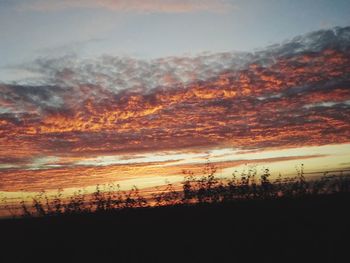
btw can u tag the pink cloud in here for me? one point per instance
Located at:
(141, 6)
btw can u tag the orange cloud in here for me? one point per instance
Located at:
(280, 105)
(295, 99)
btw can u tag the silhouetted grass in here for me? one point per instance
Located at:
(193, 190)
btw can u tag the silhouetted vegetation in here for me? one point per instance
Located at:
(193, 190)
(249, 217)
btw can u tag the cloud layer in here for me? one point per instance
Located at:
(289, 95)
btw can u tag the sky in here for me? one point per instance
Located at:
(134, 92)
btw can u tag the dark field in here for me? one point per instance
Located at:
(303, 229)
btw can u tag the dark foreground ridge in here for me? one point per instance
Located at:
(304, 229)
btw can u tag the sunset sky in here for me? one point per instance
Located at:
(135, 91)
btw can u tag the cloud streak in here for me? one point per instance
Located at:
(138, 6)
(32, 180)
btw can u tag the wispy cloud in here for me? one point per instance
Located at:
(139, 6)
(36, 179)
